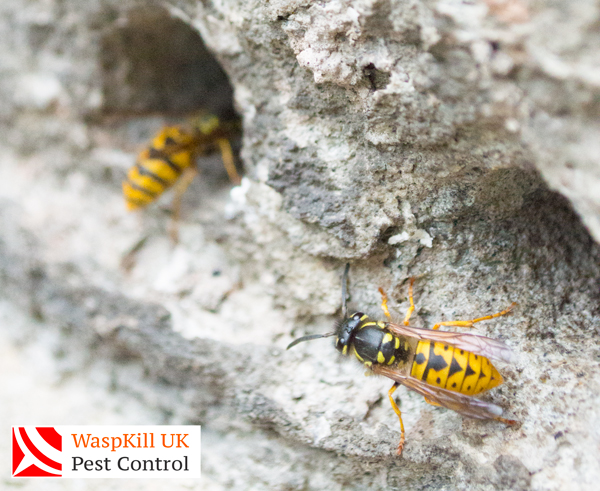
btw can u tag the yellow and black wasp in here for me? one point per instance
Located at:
(447, 368)
(170, 159)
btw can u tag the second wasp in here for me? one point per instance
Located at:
(170, 160)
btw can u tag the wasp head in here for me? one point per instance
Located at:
(346, 330)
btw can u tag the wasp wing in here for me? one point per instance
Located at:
(479, 345)
(462, 404)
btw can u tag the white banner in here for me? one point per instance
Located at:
(106, 451)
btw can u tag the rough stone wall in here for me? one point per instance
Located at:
(451, 141)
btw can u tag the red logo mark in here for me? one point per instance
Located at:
(36, 452)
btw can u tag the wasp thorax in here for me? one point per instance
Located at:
(347, 330)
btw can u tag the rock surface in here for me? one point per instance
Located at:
(451, 141)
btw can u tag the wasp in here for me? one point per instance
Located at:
(447, 368)
(170, 159)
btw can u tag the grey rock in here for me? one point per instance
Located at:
(456, 142)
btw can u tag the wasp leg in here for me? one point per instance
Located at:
(228, 160)
(384, 301)
(411, 309)
(186, 178)
(470, 323)
(431, 402)
(397, 411)
(128, 260)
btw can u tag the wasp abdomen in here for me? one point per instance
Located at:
(454, 369)
(158, 167)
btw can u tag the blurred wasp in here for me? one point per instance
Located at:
(447, 368)
(170, 159)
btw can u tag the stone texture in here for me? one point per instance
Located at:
(412, 138)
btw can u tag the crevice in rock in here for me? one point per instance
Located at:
(154, 62)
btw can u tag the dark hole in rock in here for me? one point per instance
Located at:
(154, 62)
(378, 79)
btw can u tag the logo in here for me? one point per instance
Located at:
(37, 451)
(106, 451)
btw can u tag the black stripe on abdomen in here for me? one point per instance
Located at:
(435, 362)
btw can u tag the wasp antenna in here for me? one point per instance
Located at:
(309, 338)
(344, 292)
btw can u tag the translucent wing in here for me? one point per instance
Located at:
(479, 345)
(462, 404)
